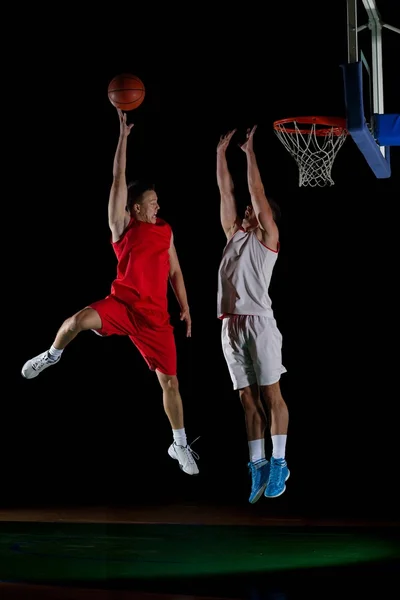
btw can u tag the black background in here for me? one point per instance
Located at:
(92, 430)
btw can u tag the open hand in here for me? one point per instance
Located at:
(224, 140)
(248, 144)
(123, 125)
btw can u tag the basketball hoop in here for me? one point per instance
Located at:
(314, 146)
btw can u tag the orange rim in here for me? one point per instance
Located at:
(336, 125)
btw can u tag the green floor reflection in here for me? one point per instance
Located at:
(97, 552)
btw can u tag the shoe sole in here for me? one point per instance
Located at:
(280, 493)
(258, 495)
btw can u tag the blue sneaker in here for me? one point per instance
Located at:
(259, 478)
(278, 475)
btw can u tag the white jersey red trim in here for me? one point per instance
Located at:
(244, 276)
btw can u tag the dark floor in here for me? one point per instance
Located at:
(192, 553)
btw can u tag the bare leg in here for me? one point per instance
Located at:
(279, 416)
(256, 422)
(278, 410)
(172, 400)
(254, 414)
(85, 319)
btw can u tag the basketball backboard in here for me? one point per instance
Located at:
(372, 130)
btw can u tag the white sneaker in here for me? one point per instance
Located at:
(36, 365)
(185, 456)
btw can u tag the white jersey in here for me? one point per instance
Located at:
(244, 276)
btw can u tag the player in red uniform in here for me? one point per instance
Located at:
(137, 305)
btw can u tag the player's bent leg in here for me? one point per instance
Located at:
(279, 415)
(83, 320)
(172, 401)
(256, 422)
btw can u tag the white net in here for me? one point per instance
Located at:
(314, 150)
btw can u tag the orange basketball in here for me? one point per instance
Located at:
(126, 91)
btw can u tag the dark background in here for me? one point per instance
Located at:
(92, 430)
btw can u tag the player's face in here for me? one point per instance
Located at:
(147, 210)
(250, 219)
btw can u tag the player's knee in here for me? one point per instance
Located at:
(77, 322)
(169, 383)
(72, 324)
(248, 398)
(173, 384)
(272, 394)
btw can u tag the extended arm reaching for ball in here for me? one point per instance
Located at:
(259, 200)
(118, 218)
(229, 217)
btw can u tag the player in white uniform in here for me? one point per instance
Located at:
(251, 340)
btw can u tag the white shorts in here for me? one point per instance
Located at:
(252, 347)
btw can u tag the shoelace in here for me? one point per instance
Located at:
(191, 453)
(276, 472)
(40, 362)
(252, 468)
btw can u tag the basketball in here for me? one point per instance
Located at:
(126, 91)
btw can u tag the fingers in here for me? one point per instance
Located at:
(249, 137)
(122, 116)
(186, 317)
(227, 137)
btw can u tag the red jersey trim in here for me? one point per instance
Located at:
(268, 248)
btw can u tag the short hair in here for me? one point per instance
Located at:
(136, 189)
(276, 210)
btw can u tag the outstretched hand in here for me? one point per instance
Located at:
(185, 316)
(248, 144)
(123, 125)
(224, 140)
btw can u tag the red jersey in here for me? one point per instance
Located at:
(143, 265)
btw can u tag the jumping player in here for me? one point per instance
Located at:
(251, 340)
(137, 305)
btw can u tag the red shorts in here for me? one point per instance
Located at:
(152, 336)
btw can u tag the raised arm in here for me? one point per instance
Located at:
(259, 200)
(118, 218)
(178, 285)
(229, 218)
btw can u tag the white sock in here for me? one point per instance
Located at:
(278, 446)
(256, 450)
(180, 437)
(55, 353)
